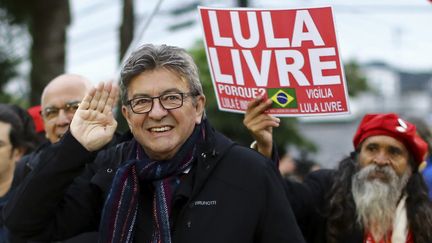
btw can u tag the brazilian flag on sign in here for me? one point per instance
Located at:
(283, 98)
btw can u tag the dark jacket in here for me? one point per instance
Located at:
(232, 194)
(309, 201)
(29, 162)
(5, 236)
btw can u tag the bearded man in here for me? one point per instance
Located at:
(377, 194)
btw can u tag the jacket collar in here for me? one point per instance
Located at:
(209, 153)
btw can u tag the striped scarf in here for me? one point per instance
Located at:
(121, 207)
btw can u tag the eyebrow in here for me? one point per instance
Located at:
(372, 144)
(66, 103)
(392, 147)
(172, 90)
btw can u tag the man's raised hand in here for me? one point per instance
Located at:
(260, 124)
(93, 124)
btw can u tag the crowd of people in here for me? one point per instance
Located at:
(174, 178)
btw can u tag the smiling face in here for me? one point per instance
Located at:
(61, 93)
(162, 132)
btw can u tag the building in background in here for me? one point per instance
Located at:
(393, 90)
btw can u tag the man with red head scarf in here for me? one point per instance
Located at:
(376, 195)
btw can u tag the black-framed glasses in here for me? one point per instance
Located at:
(52, 112)
(143, 104)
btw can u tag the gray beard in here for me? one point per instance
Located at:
(376, 200)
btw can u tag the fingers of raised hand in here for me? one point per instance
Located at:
(102, 99)
(94, 102)
(263, 122)
(105, 93)
(257, 107)
(111, 99)
(85, 103)
(253, 103)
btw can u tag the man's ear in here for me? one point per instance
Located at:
(200, 108)
(126, 114)
(17, 153)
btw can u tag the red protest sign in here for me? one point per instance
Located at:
(288, 55)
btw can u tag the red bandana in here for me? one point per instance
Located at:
(369, 238)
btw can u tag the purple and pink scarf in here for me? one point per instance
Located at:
(120, 211)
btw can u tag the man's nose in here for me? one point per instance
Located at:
(63, 118)
(382, 158)
(158, 111)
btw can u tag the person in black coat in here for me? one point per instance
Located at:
(376, 195)
(177, 180)
(16, 139)
(59, 100)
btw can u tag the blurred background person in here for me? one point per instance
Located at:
(17, 137)
(296, 168)
(287, 165)
(424, 131)
(303, 167)
(59, 101)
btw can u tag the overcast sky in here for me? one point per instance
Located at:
(393, 31)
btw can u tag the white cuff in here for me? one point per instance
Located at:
(254, 145)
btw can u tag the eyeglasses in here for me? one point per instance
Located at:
(52, 112)
(141, 105)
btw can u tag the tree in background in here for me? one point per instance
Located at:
(127, 27)
(46, 21)
(126, 36)
(357, 82)
(7, 71)
(243, 3)
(8, 59)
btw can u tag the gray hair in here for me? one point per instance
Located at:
(376, 201)
(150, 57)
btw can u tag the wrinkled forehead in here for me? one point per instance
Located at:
(384, 141)
(159, 80)
(58, 96)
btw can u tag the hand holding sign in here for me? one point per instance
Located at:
(261, 124)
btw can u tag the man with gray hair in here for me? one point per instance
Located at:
(376, 195)
(177, 180)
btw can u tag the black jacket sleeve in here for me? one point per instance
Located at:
(308, 201)
(45, 206)
(279, 224)
(309, 197)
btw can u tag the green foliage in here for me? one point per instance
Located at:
(356, 81)
(18, 11)
(7, 71)
(45, 21)
(7, 67)
(231, 124)
(8, 57)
